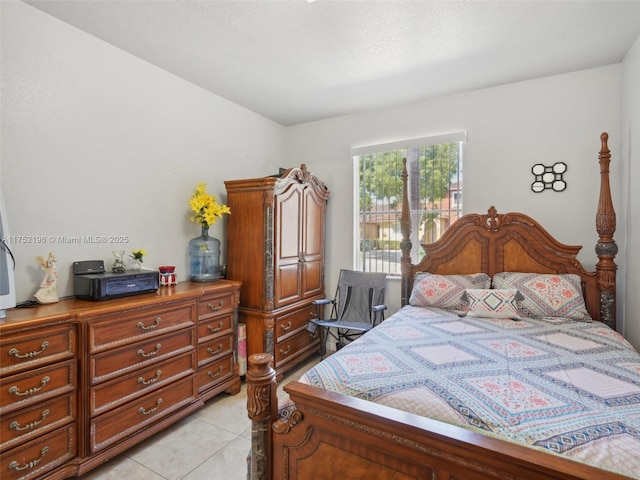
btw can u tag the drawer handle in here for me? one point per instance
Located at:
(149, 327)
(215, 329)
(285, 352)
(150, 354)
(16, 425)
(30, 391)
(216, 351)
(16, 466)
(286, 327)
(152, 409)
(151, 380)
(215, 308)
(15, 353)
(217, 374)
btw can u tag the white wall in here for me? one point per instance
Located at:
(510, 128)
(97, 142)
(630, 221)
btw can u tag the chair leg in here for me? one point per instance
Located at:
(323, 342)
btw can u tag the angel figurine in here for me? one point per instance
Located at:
(48, 292)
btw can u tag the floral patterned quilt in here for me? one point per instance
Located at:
(569, 388)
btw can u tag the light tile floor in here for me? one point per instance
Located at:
(210, 444)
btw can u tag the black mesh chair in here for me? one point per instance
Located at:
(357, 307)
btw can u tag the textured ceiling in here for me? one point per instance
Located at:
(296, 61)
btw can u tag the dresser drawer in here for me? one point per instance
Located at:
(209, 351)
(293, 345)
(120, 330)
(215, 373)
(27, 423)
(38, 347)
(27, 388)
(292, 323)
(130, 418)
(217, 304)
(126, 388)
(120, 361)
(39, 456)
(215, 328)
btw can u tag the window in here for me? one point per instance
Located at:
(434, 165)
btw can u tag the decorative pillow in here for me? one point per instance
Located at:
(445, 291)
(546, 295)
(493, 303)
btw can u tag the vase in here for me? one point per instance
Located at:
(136, 265)
(204, 258)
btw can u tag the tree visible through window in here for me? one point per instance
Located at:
(435, 197)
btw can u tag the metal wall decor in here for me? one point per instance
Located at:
(548, 178)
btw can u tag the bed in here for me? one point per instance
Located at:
(475, 377)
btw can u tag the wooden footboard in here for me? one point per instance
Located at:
(331, 436)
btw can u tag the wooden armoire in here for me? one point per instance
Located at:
(275, 247)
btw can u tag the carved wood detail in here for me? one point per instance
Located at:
(466, 463)
(606, 248)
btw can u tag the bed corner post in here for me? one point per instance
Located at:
(405, 244)
(262, 408)
(606, 248)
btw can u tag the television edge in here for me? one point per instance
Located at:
(7, 265)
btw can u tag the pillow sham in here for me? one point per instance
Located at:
(546, 295)
(493, 303)
(445, 291)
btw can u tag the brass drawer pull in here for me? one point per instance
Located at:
(216, 329)
(16, 425)
(149, 327)
(286, 327)
(150, 354)
(16, 391)
(16, 466)
(216, 351)
(152, 409)
(15, 353)
(151, 380)
(285, 352)
(215, 308)
(217, 374)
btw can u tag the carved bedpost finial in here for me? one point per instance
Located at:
(262, 405)
(405, 243)
(260, 377)
(493, 220)
(606, 248)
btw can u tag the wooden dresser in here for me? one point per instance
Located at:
(38, 396)
(83, 381)
(275, 247)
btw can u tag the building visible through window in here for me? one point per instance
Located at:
(434, 166)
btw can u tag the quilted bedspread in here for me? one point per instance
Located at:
(569, 388)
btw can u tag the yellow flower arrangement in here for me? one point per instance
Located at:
(205, 207)
(138, 254)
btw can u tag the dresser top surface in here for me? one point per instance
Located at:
(67, 310)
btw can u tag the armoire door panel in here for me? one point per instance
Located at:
(287, 285)
(287, 223)
(312, 278)
(313, 226)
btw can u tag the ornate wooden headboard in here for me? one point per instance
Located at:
(515, 242)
